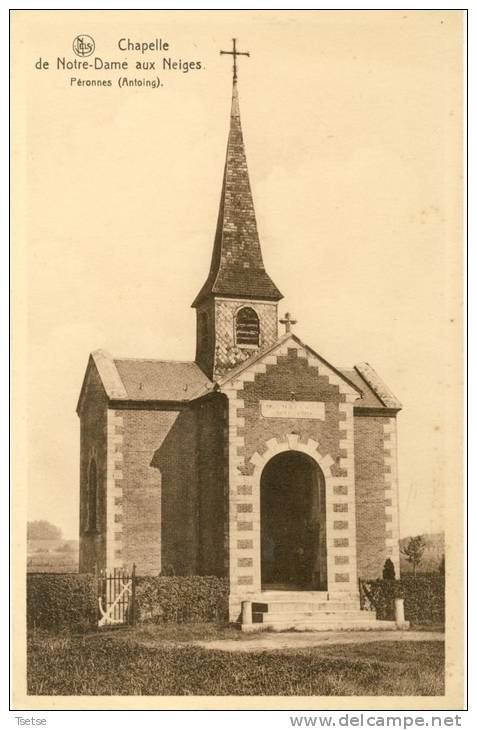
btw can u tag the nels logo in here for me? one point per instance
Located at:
(83, 45)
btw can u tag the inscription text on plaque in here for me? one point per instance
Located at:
(292, 409)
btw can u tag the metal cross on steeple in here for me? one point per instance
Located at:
(288, 322)
(234, 53)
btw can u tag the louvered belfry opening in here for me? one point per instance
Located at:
(247, 327)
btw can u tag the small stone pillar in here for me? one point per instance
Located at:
(246, 613)
(401, 622)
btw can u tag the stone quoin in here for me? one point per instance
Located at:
(259, 461)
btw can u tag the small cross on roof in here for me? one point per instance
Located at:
(288, 321)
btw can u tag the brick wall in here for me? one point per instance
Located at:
(391, 493)
(159, 491)
(369, 435)
(93, 445)
(290, 372)
(205, 338)
(212, 446)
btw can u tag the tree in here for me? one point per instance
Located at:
(43, 530)
(66, 547)
(389, 572)
(413, 551)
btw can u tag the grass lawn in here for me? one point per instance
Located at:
(159, 661)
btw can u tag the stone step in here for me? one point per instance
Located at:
(318, 599)
(310, 621)
(311, 596)
(328, 625)
(355, 615)
(300, 594)
(291, 606)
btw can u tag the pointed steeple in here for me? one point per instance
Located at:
(237, 268)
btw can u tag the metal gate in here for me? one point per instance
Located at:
(116, 597)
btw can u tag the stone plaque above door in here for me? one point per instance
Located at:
(292, 409)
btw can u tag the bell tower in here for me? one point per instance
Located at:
(237, 306)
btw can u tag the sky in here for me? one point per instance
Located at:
(351, 123)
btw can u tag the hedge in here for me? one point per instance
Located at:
(68, 601)
(378, 595)
(424, 597)
(57, 602)
(180, 599)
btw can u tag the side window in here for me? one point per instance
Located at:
(92, 496)
(247, 327)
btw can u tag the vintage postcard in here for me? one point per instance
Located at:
(237, 285)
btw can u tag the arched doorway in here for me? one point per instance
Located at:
(293, 523)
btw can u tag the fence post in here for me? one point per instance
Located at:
(96, 588)
(401, 622)
(133, 596)
(246, 615)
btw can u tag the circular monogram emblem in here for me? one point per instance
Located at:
(83, 45)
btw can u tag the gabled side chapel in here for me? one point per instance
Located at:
(259, 460)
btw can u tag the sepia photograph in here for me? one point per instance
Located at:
(237, 253)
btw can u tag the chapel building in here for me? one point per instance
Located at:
(259, 461)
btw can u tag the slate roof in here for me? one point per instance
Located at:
(369, 399)
(161, 379)
(136, 380)
(237, 268)
(377, 386)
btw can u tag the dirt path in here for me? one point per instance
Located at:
(306, 639)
